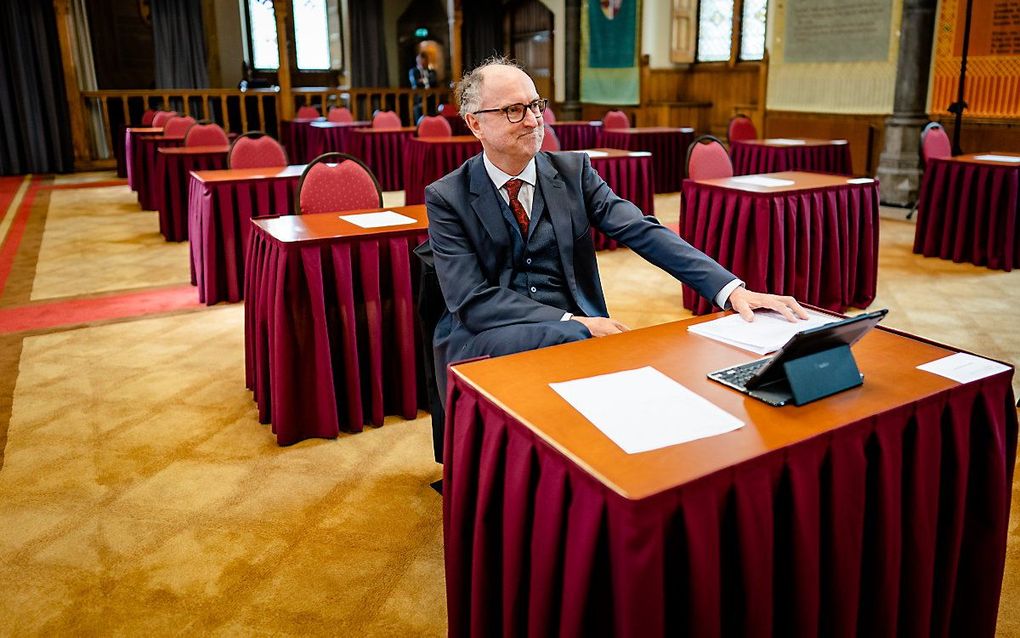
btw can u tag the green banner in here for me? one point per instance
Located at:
(609, 52)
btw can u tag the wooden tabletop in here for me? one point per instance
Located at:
(322, 227)
(781, 142)
(611, 153)
(971, 158)
(519, 384)
(371, 131)
(454, 139)
(801, 181)
(328, 124)
(577, 122)
(245, 174)
(194, 150)
(145, 129)
(163, 138)
(651, 129)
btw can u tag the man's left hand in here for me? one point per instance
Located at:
(746, 301)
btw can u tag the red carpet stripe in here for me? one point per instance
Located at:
(14, 234)
(102, 184)
(8, 190)
(57, 314)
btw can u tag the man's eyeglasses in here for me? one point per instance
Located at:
(515, 112)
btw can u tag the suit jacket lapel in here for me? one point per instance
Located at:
(484, 203)
(559, 210)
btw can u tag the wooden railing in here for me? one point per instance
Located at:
(235, 110)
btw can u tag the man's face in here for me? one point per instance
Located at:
(518, 142)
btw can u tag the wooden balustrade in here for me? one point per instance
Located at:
(363, 102)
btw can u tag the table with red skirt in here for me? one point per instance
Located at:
(331, 337)
(294, 135)
(668, 147)
(172, 176)
(809, 235)
(882, 510)
(577, 135)
(382, 150)
(969, 210)
(221, 204)
(331, 137)
(426, 159)
(146, 183)
(790, 154)
(132, 150)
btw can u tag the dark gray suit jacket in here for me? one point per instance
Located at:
(474, 255)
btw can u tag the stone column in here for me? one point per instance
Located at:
(899, 167)
(572, 61)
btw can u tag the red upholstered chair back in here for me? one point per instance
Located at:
(707, 159)
(615, 119)
(434, 126)
(147, 117)
(550, 142)
(548, 116)
(340, 114)
(741, 128)
(255, 149)
(935, 143)
(307, 113)
(385, 120)
(206, 135)
(449, 109)
(160, 119)
(178, 126)
(334, 182)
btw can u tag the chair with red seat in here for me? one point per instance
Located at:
(335, 182)
(386, 120)
(434, 126)
(550, 142)
(615, 120)
(255, 149)
(741, 128)
(707, 159)
(178, 126)
(449, 110)
(148, 116)
(307, 113)
(935, 144)
(548, 116)
(160, 119)
(208, 134)
(340, 114)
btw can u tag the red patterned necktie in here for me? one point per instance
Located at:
(513, 187)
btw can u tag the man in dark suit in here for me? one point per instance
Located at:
(422, 76)
(511, 235)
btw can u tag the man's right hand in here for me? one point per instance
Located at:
(601, 326)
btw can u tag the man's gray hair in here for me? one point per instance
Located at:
(468, 91)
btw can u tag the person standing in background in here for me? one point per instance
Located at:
(422, 76)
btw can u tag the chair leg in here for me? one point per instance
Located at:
(913, 209)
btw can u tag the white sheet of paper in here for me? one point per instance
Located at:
(758, 180)
(963, 367)
(838, 142)
(593, 153)
(643, 409)
(378, 220)
(767, 333)
(784, 141)
(860, 180)
(998, 158)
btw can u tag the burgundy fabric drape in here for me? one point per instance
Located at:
(427, 161)
(331, 339)
(331, 137)
(171, 191)
(145, 176)
(133, 153)
(576, 136)
(218, 228)
(893, 525)
(383, 152)
(295, 137)
(969, 212)
(750, 158)
(632, 179)
(819, 245)
(668, 147)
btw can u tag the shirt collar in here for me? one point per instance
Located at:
(499, 178)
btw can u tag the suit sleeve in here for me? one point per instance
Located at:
(479, 304)
(624, 222)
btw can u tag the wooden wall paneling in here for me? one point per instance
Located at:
(981, 135)
(863, 132)
(122, 45)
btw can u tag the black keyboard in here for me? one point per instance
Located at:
(738, 376)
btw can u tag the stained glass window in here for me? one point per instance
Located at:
(752, 30)
(311, 34)
(715, 30)
(265, 52)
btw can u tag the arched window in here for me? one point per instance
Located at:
(317, 35)
(723, 29)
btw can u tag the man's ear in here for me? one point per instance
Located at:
(473, 125)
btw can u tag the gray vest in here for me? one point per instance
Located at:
(538, 270)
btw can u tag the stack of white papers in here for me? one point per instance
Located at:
(643, 409)
(860, 180)
(593, 153)
(963, 367)
(767, 333)
(758, 180)
(378, 220)
(784, 141)
(998, 158)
